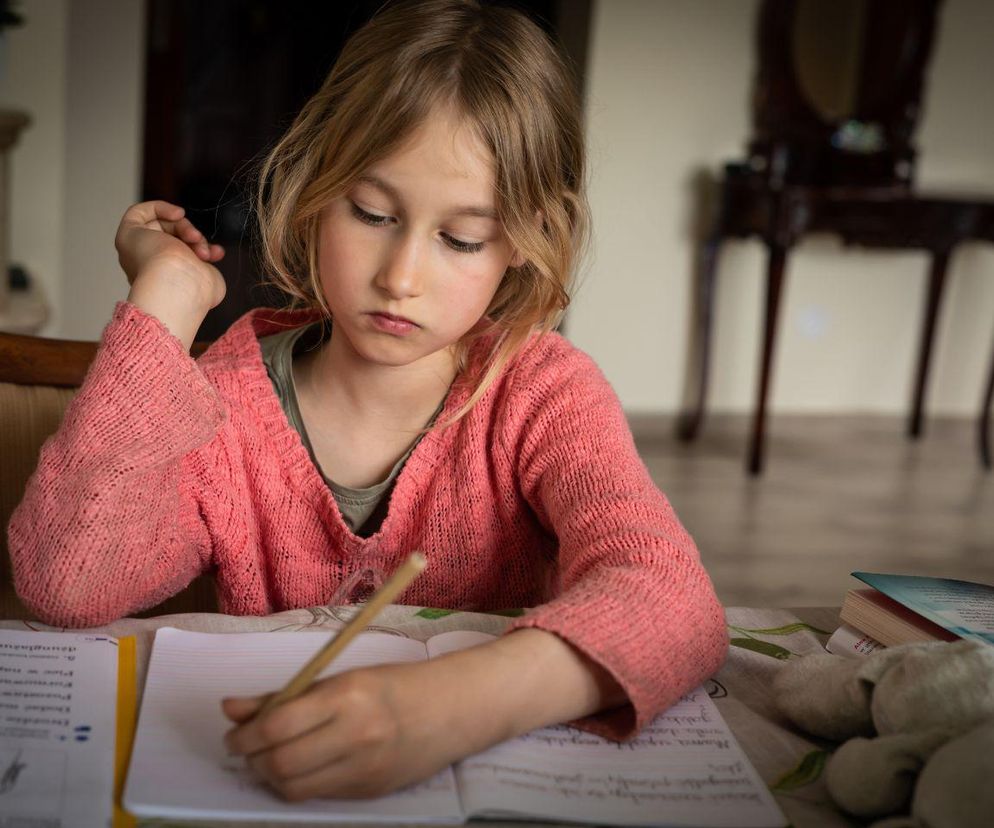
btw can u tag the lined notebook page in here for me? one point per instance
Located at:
(179, 767)
(684, 769)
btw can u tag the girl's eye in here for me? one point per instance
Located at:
(369, 218)
(376, 220)
(462, 246)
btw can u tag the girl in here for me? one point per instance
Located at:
(424, 211)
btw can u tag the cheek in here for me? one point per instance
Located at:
(338, 260)
(474, 287)
(496, 273)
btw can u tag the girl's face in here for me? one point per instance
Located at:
(410, 257)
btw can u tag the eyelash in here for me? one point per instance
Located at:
(374, 220)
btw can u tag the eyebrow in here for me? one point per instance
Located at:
(466, 210)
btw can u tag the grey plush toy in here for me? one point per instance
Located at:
(918, 728)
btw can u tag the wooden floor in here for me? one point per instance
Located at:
(838, 494)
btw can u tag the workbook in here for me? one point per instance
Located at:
(684, 769)
(903, 608)
(65, 700)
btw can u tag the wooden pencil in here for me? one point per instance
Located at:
(397, 583)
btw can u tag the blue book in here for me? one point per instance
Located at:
(964, 608)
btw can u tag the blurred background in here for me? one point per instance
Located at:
(133, 99)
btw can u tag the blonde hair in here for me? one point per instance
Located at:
(503, 74)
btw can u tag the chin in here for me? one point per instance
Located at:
(394, 357)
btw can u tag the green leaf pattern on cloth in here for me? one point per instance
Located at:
(764, 647)
(747, 639)
(808, 770)
(787, 629)
(433, 614)
(800, 780)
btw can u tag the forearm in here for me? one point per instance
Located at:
(105, 522)
(528, 679)
(175, 302)
(630, 589)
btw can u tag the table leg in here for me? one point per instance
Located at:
(984, 422)
(690, 421)
(936, 283)
(776, 269)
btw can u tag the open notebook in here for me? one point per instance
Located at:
(686, 769)
(66, 713)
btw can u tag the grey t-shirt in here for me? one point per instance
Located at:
(362, 509)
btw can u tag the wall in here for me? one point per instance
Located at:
(104, 115)
(669, 84)
(77, 68)
(33, 79)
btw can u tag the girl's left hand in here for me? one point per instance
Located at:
(358, 734)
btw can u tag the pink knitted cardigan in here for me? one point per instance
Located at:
(164, 468)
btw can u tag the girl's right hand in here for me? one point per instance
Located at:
(169, 264)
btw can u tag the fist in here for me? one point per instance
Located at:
(160, 248)
(356, 735)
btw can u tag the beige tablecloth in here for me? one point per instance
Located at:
(762, 641)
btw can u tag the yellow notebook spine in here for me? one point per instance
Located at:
(126, 720)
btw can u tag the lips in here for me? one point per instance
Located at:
(391, 317)
(391, 324)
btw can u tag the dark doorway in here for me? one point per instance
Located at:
(224, 80)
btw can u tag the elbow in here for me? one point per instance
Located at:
(714, 633)
(60, 603)
(55, 582)
(51, 595)
(34, 569)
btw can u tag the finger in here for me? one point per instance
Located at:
(241, 709)
(209, 252)
(307, 754)
(288, 721)
(177, 229)
(342, 779)
(148, 211)
(187, 231)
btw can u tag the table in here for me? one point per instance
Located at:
(762, 642)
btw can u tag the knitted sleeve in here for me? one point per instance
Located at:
(110, 520)
(632, 594)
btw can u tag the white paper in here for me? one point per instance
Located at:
(850, 642)
(179, 766)
(684, 769)
(58, 705)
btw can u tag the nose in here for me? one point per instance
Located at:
(401, 272)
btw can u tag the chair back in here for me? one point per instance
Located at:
(38, 379)
(838, 90)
